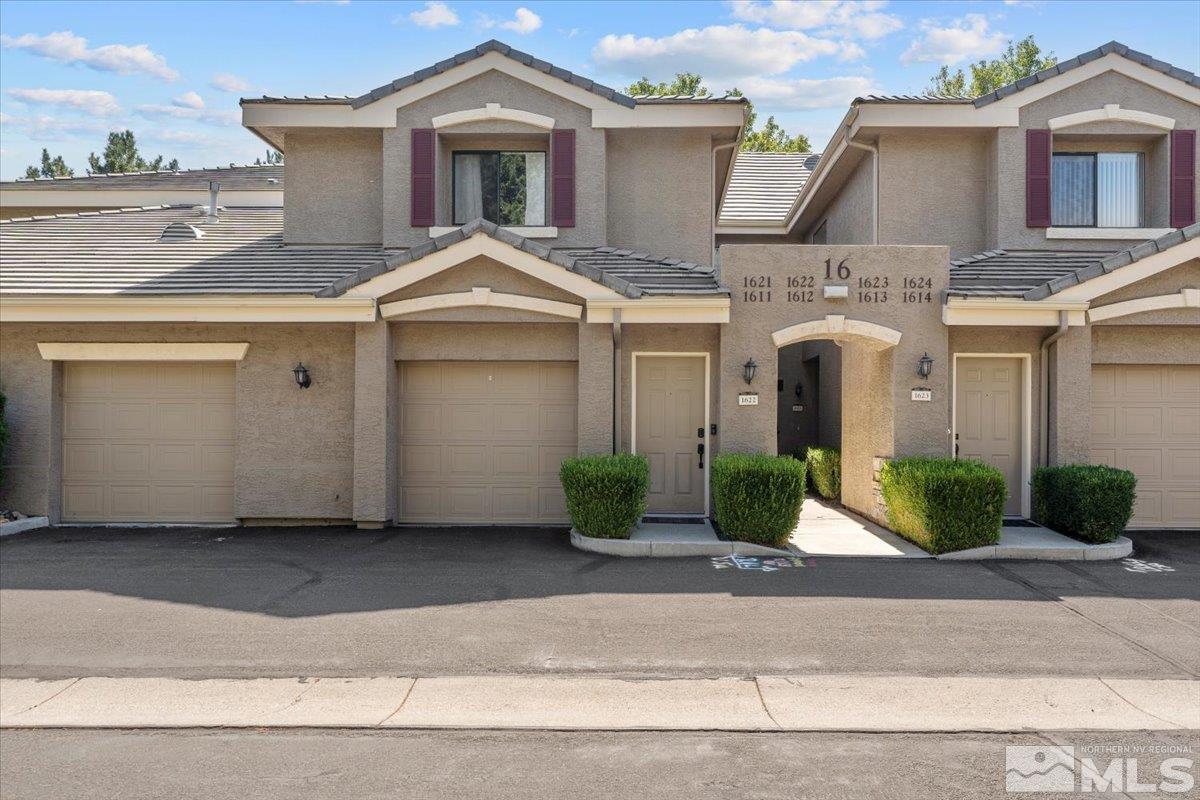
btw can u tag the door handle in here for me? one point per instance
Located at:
(700, 450)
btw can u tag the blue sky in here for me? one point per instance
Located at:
(173, 72)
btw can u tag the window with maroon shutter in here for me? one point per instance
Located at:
(562, 178)
(1037, 179)
(1183, 178)
(424, 143)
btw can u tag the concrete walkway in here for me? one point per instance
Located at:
(768, 703)
(827, 529)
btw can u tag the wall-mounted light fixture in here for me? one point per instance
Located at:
(748, 370)
(799, 391)
(301, 373)
(924, 366)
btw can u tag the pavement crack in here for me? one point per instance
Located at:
(1136, 707)
(403, 700)
(314, 578)
(1118, 593)
(763, 701)
(51, 697)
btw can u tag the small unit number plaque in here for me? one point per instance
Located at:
(922, 395)
(747, 399)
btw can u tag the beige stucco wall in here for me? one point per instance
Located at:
(484, 272)
(493, 87)
(295, 447)
(658, 196)
(1146, 344)
(847, 219)
(332, 187)
(1088, 95)
(933, 188)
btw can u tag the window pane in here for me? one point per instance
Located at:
(1119, 190)
(512, 189)
(535, 189)
(1072, 190)
(468, 188)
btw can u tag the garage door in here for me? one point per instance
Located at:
(147, 442)
(1146, 418)
(481, 442)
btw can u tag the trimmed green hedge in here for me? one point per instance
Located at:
(1091, 503)
(824, 466)
(944, 504)
(606, 495)
(757, 497)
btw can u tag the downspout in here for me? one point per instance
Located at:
(616, 334)
(1044, 390)
(873, 149)
(712, 190)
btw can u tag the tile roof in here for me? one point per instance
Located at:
(125, 252)
(240, 177)
(1038, 274)
(911, 98)
(630, 273)
(764, 186)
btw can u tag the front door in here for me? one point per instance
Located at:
(987, 405)
(670, 424)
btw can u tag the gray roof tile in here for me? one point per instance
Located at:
(236, 177)
(764, 186)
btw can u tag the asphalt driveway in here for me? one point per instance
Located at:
(238, 602)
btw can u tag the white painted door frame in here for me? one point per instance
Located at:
(707, 411)
(1026, 417)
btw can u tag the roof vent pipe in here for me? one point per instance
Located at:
(214, 189)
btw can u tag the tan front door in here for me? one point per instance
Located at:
(1146, 419)
(147, 442)
(481, 441)
(670, 423)
(987, 408)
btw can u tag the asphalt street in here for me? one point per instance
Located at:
(193, 602)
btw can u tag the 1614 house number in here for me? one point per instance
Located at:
(870, 288)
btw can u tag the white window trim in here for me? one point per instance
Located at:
(1106, 233)
(491, 111)
(707, 411)
(143, 351)
(1026, 417)
(1114, 112)
(526, 231)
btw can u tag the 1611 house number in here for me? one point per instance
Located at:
(870, 288)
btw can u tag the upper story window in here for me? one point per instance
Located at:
(1102, 190)
(507, 188)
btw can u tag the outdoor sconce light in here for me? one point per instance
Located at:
(799, 391)
(748, 370)
(924, 366)
(301, 373)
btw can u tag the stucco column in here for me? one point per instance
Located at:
(595, 422)
(1070, 397)
(374, 425)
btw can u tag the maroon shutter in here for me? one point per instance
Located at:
(1183, 178)
(1037, 179)
(562, 178)
(423, 145)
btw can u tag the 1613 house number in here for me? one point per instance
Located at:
(870, 288)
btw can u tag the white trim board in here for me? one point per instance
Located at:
(706, 441)
(1133, 234)
(1111, 112)
(480, 296)
(1026, 417)
(1184, 298)
(835, 326)
(143, 351)
(491, 111)
(111, 308)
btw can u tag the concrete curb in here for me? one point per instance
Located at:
(530, 702)
(22, 525)
(649, 549)
(1072, 550)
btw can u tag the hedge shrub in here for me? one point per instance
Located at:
(824, 466)
(757, 497)
(944, 504)
(606, 495)
(1091, 503)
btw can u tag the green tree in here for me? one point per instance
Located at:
(50, 168)
(273, 157)
(771, 139)
(1019, 60)
(121, 155)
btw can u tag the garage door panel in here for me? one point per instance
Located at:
(148, 442)
(481, 442)
(1146, 418)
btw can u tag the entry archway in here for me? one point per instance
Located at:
(838, 328)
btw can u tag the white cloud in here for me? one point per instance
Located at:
(718, 52)
(89, 101)
(434, 15)
(484, 21)
(861, 19)
(964, 38)
(210, 115)
(228, 82)
(770, 94)
(67, 48)
(524, 21)
(45, 128)
(188, 100)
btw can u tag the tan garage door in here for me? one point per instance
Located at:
(481, 442)
(1146, 418)
(147, 442)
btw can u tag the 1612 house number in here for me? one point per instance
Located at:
(870, 288)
